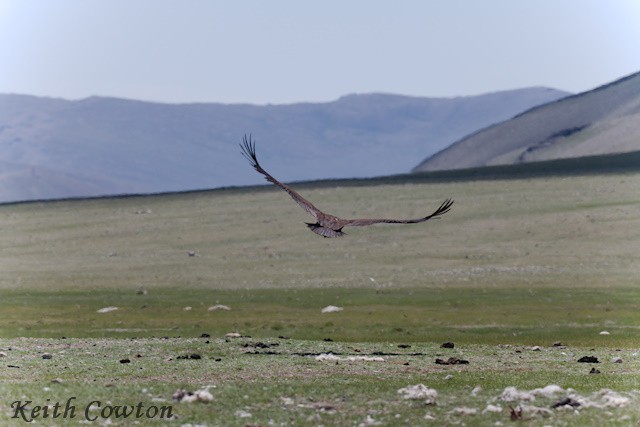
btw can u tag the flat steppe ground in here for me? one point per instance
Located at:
(517, 266)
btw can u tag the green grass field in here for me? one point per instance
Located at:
(516, 264)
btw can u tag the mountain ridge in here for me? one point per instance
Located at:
(56, 148)
(602, 120)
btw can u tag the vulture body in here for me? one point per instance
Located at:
(327, 225)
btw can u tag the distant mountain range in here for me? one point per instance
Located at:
(604, 120)
(55, 148)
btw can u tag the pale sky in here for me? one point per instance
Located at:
(285, 51)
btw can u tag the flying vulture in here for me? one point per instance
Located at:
(327, 225)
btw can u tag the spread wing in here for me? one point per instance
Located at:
(249, 152)
(443, 209)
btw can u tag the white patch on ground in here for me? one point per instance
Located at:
(602, 399)
(202, 395)
(536, 411)
(548, 391)
(418, 392)
(333, 358)
(232, 335)
(219, 307)
(287, 401)
(242, 414)
(512, 394)
(476, 390)
(463, 410)
(107, 309)
(369, 421)
(605, 333)
(492, 408)
(331, 309)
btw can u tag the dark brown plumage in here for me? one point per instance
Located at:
(327, 225)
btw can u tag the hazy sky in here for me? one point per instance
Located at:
(293, 50)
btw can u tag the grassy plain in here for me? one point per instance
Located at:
(517, 263)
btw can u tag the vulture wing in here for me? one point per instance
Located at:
(443, 209)
(249, 151)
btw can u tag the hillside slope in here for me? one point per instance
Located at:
(54, 148)
(604, 120)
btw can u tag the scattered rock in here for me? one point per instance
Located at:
(219, 307)
(558, 344)
(183, 396)
(205, 335)
(567, 401)
(328, 340)
(194, 356)
(191, 253)
(331, 309)
(452, 361)
(3, 354)
(232, 335)
(260, 344)
(188, 308)
(404, 346)
(47, 356)
(616, 360)
(107, 309)
(594, 371)
(419, 392)
(56, 381)
(385, 353)
(125, 361)
(324, 406)
(536, 348)
(261, 352)
(141, 291)
(447, 345)
(588, 359)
